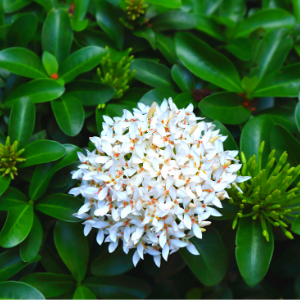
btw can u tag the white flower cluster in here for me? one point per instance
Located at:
(153, 178)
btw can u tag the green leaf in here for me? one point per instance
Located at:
(18, 290)
(22, 62)
(116, 110)
(12, 197)
(253, 252)
(173, 20)
(21, 122)
(166, 46)
(32, 244)
(232, 11)
(183, 78)
(4, 183)
(211, 265)
(42, 151)
(268, 19)
(168, 4)
(111, 264)
(296, 6)
(157, 95)
(47, 4)
(225, 107)
(152, 73)
(79, 25)
(297, 116)
(148, 34)
(271, 52)
(72, 247)
(229, 143)
(44, 172)
(83, 293)
(283, 83)
(60, 206)
(39, 90)
(17, 226)
(253, 134)
(207, 63)
(80, 9)
(124, 287)
(81, 61)
(296, 225)
(242, 48)
(282, 140)
(108, 20)
(51, 285)
(50, 63)
(89, 92)
(183, 100)
(69, 114)
(12, 6)
(57, 34)
(22, 30)
(101, 112)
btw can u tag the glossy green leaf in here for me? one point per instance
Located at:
(296, 225)
(183, 100)
(297, 116)
(173, 20)
(50, 63)
(232, 11)
(83, 292)
(242, 48)
(89, 92)
(12, 6)
(268, 19)
(57, 34)
(296, 6)
(157, 95)
(211, 265)
(225, 107)
(32, 244)
(207, 63)
(282, 140)
(183, 78)
(81, 61)
(69, 114)
(17, 226)
(124, 287)
(283, 83)
(152, 73)
(4, 183)
(12, 197)
(108, 20)
(72, 247)
(80, 8)
(253, 252)
(39, 90)
(22, 30)
(60, 206)
(166, 46)
(42, 151)
(168, 4)
(18, 290)
(22, 62)
(50, 284)
(229, 143)
(116, 110)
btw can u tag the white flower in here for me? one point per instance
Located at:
(153, 180)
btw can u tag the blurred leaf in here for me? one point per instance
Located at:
(69, 114)
(296, 10)
(80, 61)
(83, 293)
(148, 34)
(12, 197)
(124, 287)
(229, 143)
(173, 20)
(39, 90)
(225, 107)
(166, 46)
(50, 63)
(269, 19)
(183, 78)
(108, 20)
(241, 48)
(253, 134)
(282, 140)
(22, 62)
(32, 244)
(222, 293)
(211, 265)
(72, 247)
(207, 63)
(18, 290)
(183, 100)
(22, 30)
(60, 206)
(57, 34)
(80, 9)
(4, 183)
(17, 225)
(51, 285)
(297, 116)
(47, 4)
(12, 6)
(42, 151)
(90, 92)
(253, 252)
(157, 95)
(233, 10)
(168, 4)
(296, 225)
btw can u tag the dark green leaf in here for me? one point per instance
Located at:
(166, 46)
(225, 107)
(72, 247)
(241, 48)
(183, 78)
(42, 151)
(211, 265)
(83, 293)
(253, 252)
(57, 34)
(50, 284)
(22, 62)
(230, 143)
(207, 63)
(17, 226)
(32, 244)
(157, 95)
(4, 183)
(12, 197)
(183, 100)
(47, 4)
(296, 225)
(148, 34)
(168, 4)
(60, 206)
(116, 110)
(81, 61)
(12, 6)
(18, 290)
(232, 11)
(297, 116)
(50, 63)
(69, 114)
